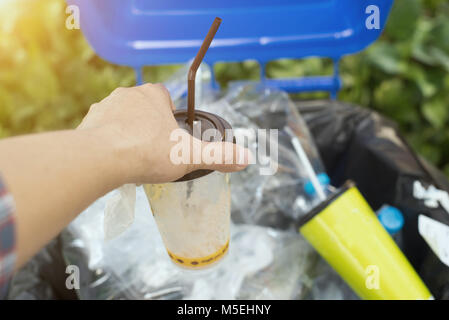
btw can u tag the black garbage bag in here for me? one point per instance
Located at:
(359, 144)
(43, 277)
(356, 144)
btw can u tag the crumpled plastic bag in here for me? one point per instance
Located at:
(119, 211)
(276, 200)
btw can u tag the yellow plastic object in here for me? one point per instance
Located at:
(347, 234)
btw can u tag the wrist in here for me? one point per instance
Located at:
(115, 155)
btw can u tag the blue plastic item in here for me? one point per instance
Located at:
(324, 180)
(141, 32)
(391, 218)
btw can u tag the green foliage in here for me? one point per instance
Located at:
(405, 76)
(50, 76)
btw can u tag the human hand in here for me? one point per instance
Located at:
(138, 122)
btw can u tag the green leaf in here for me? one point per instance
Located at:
(419, 76)
(436, 112)
(403, 19)
(440, 32)
(386, 58)
(441, 57)
(420, 41)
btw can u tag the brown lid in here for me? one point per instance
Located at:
(203, 121)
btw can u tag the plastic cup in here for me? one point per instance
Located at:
(193, 218)
(193, 214)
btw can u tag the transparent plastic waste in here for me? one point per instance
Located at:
(29, 282)
(119, 211)
(273, 199)
(262, 262)
(176, 84)
(326, 284)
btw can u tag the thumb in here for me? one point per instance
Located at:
(224, 156)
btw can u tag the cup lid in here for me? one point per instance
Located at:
(203, 121)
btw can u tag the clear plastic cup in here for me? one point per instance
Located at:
(193, 218)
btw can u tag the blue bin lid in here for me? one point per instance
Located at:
(140, 32)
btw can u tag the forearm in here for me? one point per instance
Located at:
(125, 138)
(55, 176)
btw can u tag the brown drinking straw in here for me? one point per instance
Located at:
(194, 67)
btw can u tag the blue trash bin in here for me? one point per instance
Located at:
(137, 33)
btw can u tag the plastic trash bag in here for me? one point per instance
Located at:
(328, 285)
(119, 211)
(176, 84)
(353, 142)
(340, 131)
(361, 145)
(43, 277)
(276, 199)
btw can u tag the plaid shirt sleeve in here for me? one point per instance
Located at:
(7, 239)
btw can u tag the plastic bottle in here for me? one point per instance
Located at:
(323, 179)
(393, 221)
